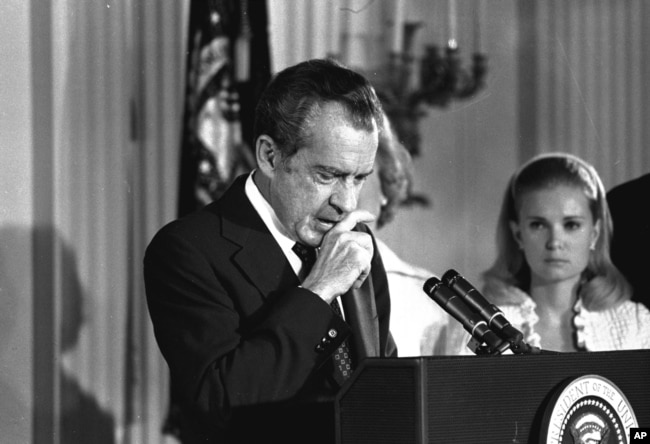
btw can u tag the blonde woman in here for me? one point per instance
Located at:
(553, 276)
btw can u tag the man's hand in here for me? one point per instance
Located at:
(344, 258)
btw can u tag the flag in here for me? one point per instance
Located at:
(213, 151)
(251, 84)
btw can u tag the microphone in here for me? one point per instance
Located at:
(489, 312)
(471, 321)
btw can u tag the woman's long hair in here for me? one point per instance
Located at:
(603, 285)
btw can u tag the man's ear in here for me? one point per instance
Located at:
(267, 154)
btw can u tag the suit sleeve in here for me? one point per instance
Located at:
(217, 359)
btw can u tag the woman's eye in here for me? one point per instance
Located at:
(573, 225)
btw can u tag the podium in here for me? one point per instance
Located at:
(475, 399)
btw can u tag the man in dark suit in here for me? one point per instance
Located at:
(245, 294)
(628, 207)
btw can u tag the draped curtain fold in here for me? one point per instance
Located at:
(116, 82)
(585, 81)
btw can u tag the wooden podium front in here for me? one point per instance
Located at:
(474, 399)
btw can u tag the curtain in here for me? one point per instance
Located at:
(583, 85)
(107, 96)
(160, 39)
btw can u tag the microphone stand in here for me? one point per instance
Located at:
(483, 349)
(517, 348)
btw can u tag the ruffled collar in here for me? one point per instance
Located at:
(580, 321)
(525, 315)
(625, 326)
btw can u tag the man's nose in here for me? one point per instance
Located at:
(345, 197)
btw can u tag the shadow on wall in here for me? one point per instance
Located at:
(13, 362)
(82, 419)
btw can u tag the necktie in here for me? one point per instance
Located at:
(342, 358)
(307, 255)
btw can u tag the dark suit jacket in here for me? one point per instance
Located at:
(628, 204)
(248, 350)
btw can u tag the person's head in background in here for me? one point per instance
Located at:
(555, 228)
(388, 187)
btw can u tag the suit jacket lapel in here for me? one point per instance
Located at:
(260, 258)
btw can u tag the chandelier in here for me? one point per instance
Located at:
(435, 79)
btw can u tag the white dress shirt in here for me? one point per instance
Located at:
(267, 213)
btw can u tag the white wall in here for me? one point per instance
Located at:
(16, 222)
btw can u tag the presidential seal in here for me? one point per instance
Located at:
(588, 410)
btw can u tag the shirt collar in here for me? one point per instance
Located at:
(270, 219)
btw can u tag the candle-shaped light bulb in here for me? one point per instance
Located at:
(453, 24)
(479, 23)
(398, 27)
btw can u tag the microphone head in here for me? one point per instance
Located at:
(431, 284)
(449, 276)
(512, 335)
